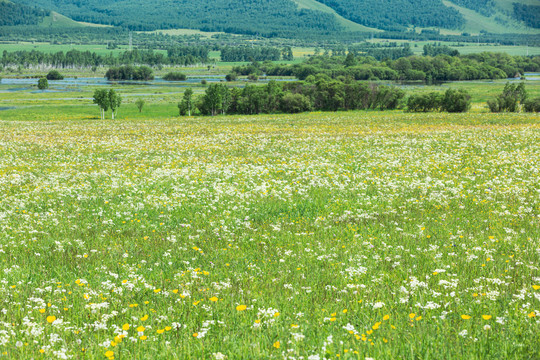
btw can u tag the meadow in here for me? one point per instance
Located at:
(347, 235)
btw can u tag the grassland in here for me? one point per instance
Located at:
(340, 235)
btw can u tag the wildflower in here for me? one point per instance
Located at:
(465, 317)
(241, 307)
(125, 327)
(536, 287)
(412, 315)
(213, 299)
(532, 314)
(486, 317)
(141, 328)
(144, 318)
(109, 353)
(51, 318)
(386, 317)
(144, 337)
(277, 345)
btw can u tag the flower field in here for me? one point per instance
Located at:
(331, 235)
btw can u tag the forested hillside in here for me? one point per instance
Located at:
(17, 14)
(289, 18)
(529, 14)
(397, 14)
(264, 17)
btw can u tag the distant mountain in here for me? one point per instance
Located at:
(296, 18)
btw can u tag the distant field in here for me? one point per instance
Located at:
(468, 48)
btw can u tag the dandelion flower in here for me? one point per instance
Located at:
(532, 314)
(144, 318)
(386, 317)
(412, 315)
(486, 317)
(51, 318)
(213, 299)
(465, 317)
(536, 287)
(125, 327)
(277, 345)
(109, 353)
(241, 307)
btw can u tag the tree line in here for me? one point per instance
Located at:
(415, 68)
(184, 55)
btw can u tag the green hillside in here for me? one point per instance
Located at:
(347, 24)
(261, 17)
(498, 21)
(282, 18)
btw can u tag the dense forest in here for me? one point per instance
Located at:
(263, 17)
(16, 14)
(484, 7)
(529, 14)
(397, 14)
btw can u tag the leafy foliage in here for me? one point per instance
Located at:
(509, 99)
(456, 101)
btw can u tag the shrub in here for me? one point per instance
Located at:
(509, 99)
(140, 103)
(295, 103)
(175, 76)
(532, 105)
(54, 75)
(43, 84)
(455, 101)
(231, 77)
(425, 102)
(129, 72)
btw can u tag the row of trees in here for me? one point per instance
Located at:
(292, 97)
(249, 53)
(414, 68)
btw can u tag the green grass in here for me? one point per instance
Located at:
(345, 235)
